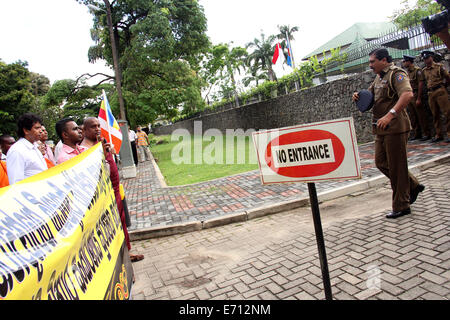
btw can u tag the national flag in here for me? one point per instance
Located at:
(109, 126)
(278, 55)
(289, 55)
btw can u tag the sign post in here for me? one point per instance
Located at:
(320, 240)
(310, 153)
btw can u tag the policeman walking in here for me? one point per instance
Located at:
(392, 92)
(435, 74)
(416, 109)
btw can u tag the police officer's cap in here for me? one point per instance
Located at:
(427, 53)
(408, 58)
(365, 101)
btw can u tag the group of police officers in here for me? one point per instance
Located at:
(392, 93)
(435, 76)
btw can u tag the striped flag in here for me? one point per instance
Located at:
(110, 128)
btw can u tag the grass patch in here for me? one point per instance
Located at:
(196, 159)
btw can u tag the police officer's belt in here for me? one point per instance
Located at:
(435, 87)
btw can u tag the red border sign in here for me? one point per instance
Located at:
(307, 153)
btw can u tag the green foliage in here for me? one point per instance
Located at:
(283, 31)
(410, 16)
(303, 75)
(16, 96)
(261, 57)
(160, 44)
(69, 98)
(219, 66)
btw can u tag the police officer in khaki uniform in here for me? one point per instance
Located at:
(416, 109)
(435, 74)
(392, 93)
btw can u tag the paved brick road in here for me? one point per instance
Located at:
(153, 206)
(275, 257)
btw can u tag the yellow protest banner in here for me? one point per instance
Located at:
(61, 235)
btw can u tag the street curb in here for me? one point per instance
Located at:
(158, 172)
(164, 231)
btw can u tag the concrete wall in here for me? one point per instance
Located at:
(331, 100)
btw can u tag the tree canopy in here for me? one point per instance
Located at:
(407, 16)
(160, 44)
(16, 97)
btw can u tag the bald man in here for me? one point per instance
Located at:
(92, 131)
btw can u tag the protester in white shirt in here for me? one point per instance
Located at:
(24, 158)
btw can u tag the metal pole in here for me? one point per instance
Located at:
(288, 42)
(320, 240)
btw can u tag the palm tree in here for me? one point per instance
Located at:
(286, 30)
(254, 73)
(262, 54)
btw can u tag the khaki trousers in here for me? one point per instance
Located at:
(144, 153)
(418, 117)
(438, 100)
(391, 158)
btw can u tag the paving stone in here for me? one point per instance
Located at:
(228, 262)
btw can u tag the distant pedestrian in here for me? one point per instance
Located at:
(24, 159)
(392, 93)
(142, 143)
(437, 81)
(132, 136)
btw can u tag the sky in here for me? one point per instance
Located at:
(53, 36)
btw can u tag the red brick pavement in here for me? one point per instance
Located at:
(151, 205)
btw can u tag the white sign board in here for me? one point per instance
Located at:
(308, 153)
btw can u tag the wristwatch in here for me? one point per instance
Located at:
(393, 112)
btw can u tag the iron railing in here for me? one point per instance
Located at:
(407, 41)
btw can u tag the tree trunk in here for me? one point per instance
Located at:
(115, 52)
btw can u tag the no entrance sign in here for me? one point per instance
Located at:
(308, 153)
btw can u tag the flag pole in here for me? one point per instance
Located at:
(105, 99)
(290, 49)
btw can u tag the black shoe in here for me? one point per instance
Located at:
(415, 193)
(437, 139)
(425, 138)
(397, 214)
(447, 140)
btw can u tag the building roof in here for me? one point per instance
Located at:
(359, 31)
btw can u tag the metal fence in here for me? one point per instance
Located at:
(410, 41)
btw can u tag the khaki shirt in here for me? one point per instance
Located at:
(434, 75)
(386, 96)
(415, 75)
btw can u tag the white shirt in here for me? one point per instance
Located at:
(132, 135)
(58, 148)
(24, 160)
